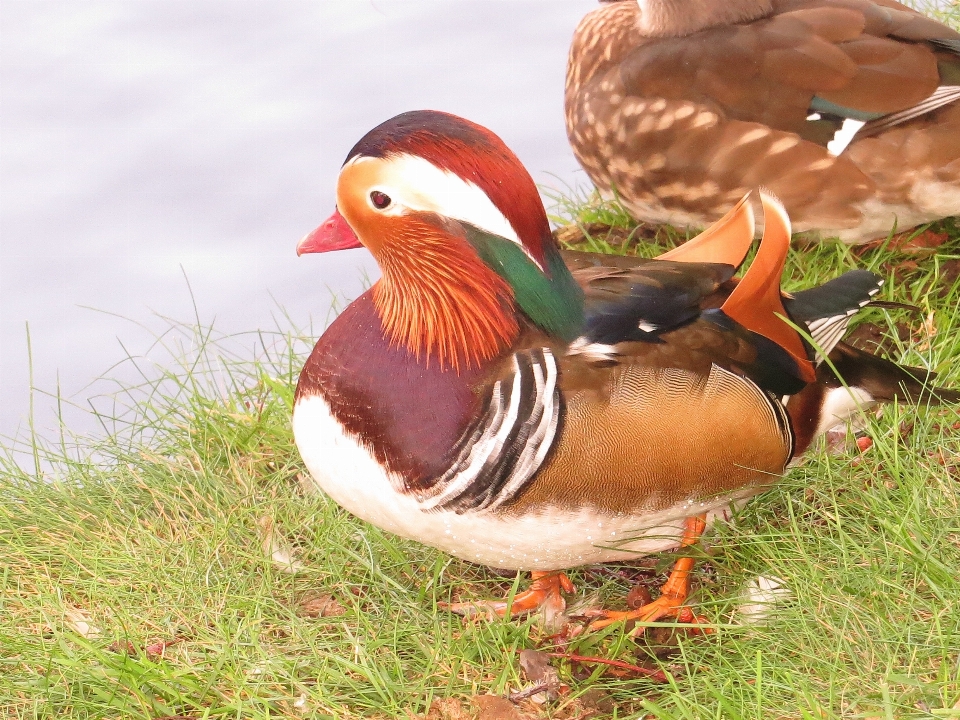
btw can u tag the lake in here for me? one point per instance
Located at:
(161, 159)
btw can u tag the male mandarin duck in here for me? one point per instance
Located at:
(847, 110)
(527, 409)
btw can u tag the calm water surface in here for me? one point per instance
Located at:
(145, 143)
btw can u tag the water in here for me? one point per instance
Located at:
(149, 144)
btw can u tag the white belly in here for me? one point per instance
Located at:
(553, 539)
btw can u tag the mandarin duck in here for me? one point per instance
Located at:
(530, 409)
(847, 110)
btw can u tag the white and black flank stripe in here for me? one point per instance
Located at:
(501, 452)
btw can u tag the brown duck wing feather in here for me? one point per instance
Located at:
(647, 300)
(718, 251)
(610, 277)
(629, 431)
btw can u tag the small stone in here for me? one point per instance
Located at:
(638, 596)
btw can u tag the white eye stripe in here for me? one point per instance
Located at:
(414, 184)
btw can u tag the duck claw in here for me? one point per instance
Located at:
(663, 607)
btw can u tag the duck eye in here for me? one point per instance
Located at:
(380, 200)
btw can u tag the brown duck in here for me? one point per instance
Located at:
(846, 109)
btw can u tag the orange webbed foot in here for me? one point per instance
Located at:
(662, 608)
(545, 592)
(673, 594)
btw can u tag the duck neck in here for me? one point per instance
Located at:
(677, 18)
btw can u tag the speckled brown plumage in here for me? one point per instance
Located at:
(680, 126)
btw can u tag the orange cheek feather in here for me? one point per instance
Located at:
(438, 298)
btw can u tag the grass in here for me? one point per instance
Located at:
(182, 567)
(946, 11)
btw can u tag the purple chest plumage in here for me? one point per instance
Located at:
(408, 412)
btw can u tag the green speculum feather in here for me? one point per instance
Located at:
(553, 301)
(818, 104)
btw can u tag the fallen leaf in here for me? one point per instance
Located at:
(534, 665)
(910, 242)
(155, 650)
(307, 485)
(638, 596)
(152, 651)
(321, 606)
(79, 621)
(544, 681)
(597, 700)
(123, 647)
(928, 330)
(876, 339)
(904, 268)
(281, 555)
(923, 243)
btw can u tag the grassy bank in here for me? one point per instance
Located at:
(181, 567)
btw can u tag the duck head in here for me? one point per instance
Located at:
(458, 229)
